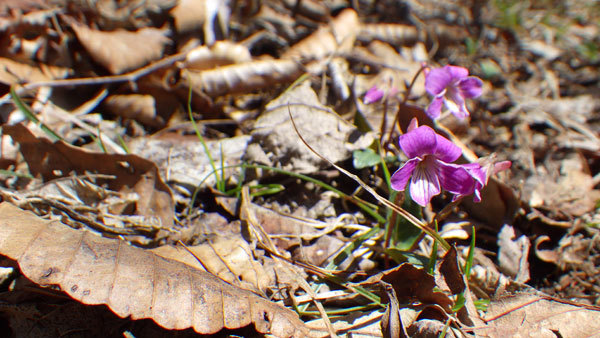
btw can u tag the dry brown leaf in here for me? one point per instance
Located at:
(243, 77)
(572, 192)
(339, 36)
(315, 9)
(323, 129)
(13, 72)
(231, 259)
(122, 50)
(456, 281)
(410, 284)
(132, 281)
(394, 34)
(513, 254)
(139, 107)
(132, 173)
(498, 204)
(220, 54)
(183, 160)
(189, 15)
(530, 315)
(356, 325)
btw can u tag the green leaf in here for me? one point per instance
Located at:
(365, 158)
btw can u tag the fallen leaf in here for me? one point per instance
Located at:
(410, 284)
(132, 173)
(394, 34)
(230, 259)
(513, 254)
(539, 316)
(121, 50)
(183, 160)
(356, 325)
(134, 282)
(339, 36)
(139, 107)
(323, 129)
(220, 54)
(242, 77)
(13, 72)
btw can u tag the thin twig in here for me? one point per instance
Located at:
(86, 81)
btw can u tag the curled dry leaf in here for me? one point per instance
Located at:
(513, 254)
(339, 36)
(134, 282)
(13, 72)
(122, 50)
(411, 284)
(132, 173)
(394, 34)
(242, 77)
(220, 54)
(139, 107)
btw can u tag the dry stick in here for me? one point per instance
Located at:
(129, 77)
(407, 215)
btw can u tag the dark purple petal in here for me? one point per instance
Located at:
(418, 142)
(471, 87)
(400, 178)
(478, 172)
(435, 108)
(373, 95)
(437, 80)
(425, 183)
(446, 150)
(457, 73)
(455, 178)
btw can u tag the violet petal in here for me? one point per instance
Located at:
(435, 108)
(425, 183)
(446, 150)
(373, 95)
(455, 178)
(470, 87)
(418, 142)
(457, 72)
(437, 80)
(400, 178)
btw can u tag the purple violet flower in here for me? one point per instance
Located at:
(378, 93)
(451, 85)
(373, 95)
(429, 167)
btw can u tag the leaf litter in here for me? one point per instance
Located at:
(247, 228)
